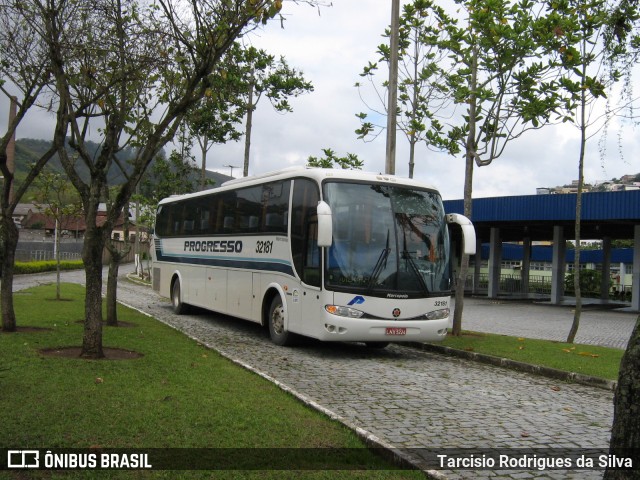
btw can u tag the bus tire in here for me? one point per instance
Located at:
(277, 320)
(179, 307)
(378, 345)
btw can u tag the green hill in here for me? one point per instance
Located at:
(29, 150)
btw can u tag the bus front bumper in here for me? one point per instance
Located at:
(342, 329)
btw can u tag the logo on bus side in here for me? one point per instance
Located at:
(356, 300)
(228, 246)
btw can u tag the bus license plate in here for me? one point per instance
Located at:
(396, 331)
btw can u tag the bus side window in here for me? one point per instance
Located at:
(275, 199)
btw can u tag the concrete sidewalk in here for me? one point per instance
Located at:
(598, 325)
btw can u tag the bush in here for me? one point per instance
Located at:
(46, 266)
(589, 283)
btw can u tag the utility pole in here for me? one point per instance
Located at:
(247, 135)
(390, 163)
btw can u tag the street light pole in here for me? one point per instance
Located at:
(390, 163)
(231, 167)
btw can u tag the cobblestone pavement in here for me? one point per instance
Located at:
(407, 398)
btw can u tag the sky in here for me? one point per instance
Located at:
(331, 46)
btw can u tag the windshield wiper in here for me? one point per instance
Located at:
(407, 256)
(380, 264)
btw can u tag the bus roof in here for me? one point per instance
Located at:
(318, 174)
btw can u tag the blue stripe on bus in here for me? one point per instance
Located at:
(243, 263)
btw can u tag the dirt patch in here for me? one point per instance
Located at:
(29, 330)
(74, 352)
(120, 324)
(473, 334)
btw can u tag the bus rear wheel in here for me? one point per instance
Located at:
(176, 298)
(277, 321)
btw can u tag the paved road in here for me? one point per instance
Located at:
(409, 399)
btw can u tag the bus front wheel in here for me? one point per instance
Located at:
(277, 320)
(176, 298)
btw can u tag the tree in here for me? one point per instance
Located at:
(578, 50)
(25, 68)
(175, 175)
(495, 72)
(134, 70)
(214, 119)
(330, 160)
(273, 78)
(504, 83)
(580, 28)
(58, 200)
(422, 92)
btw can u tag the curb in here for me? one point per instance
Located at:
(518, 366)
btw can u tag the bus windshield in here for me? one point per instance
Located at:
(387, 241)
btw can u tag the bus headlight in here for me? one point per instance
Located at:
(437, 314)
(343, 311)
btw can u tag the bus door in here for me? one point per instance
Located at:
(304, 299)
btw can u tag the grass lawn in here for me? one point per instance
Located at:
(178, 394)
(590, 360)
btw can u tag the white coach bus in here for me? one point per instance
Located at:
(335, 255)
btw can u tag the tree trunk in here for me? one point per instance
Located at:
(112, 286)
(412, 154)
(204, 146)
(94, 243)
(625, 433)
(114, 264)
(470, 154)
(10, 242)
(57, 240)
(576, 261)
(464, 259)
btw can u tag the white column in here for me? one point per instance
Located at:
(526, 265)
(477, 264)
(495, 263)
(606, 268)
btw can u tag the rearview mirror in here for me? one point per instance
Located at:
(325, 225)
(468, 232)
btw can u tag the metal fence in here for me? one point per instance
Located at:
(41, 255)
(42, 251)
(539, 285)
(510, 284)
